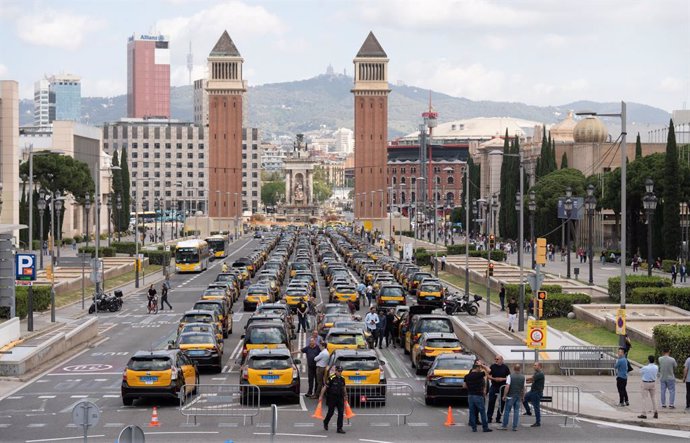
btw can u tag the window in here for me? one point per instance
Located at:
(413, 170)
(395, 179)
(157, 184)
(402, 170)
(167, 184)
(438, 180)
(402, 180)
(156, 155)
(451, 179)
(178, 155)
(190, 165)
(146, 175)
(201, 146)
(255, 175)
(413, 180)
(168, 174)
(254, 165)
(157, 174)
(190, 146)
(244, 156)
(156, 165)
(178, 174)
(168, 146)
(168, 155)
(244, 174)
(179, 146)
(146, 164)
(200, 155)
(178, 165)
(255, 156)
(146, 146)
(135, 154)
(200, 164)
(190, 155)
(189, 174)
(437, 169)
(201, 175)
(146, 154)
(135, 164)
(190, 184)
(168, 164)
(201, 184)
(167, 193)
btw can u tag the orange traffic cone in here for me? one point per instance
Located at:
(154, 423)
(318, 413)
(348, 410)
(449, 418)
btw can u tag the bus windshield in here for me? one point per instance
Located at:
(217, 244)
(187, 255)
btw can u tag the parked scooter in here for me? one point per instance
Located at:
(457, 303)
(106, 302)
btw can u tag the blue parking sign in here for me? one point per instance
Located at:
(25, 267)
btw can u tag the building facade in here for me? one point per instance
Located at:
(225, 94)
(148, 76)
(42, 103)
(9, 152)
(371, 128)
(57, 97)
(200, 102)
(251, 171)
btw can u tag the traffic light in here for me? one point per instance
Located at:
(492, 241)
(540, 308)
(491, 269)
(542, 295)
(540, 258)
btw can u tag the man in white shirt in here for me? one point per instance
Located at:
(372, 320)
(321, 361)
(649, 374)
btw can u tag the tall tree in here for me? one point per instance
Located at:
(505, 185)
(564, 161)
(126, 189)
(671, 196)
(117, 191)
(638, 147)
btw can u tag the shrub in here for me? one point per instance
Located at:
(496, 255)
(513, 290)
(68, 241)
(459, 249)
(103, 251)
(158, 257)
(635, 281)
(679, 297)
(78, 239)
(422, 257)
(405, 233)
(676, 338)
(125, 247)
(666, 265)
(41, 299)
(559, 305)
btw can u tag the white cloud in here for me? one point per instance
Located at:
(496, 42)
(554, 40)
(671, 84)
(577, 85)
(56, 29)
(3, 70)
(474, 81)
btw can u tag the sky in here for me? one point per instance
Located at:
(540, 52)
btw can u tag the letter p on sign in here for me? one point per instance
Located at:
(26, 267)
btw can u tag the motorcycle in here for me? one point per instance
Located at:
(457, 303)
(106, 302)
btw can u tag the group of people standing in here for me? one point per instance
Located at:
(380, 326)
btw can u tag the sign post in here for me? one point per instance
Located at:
(25, 275)
(536, 336)
(131, 434)
(85, 414)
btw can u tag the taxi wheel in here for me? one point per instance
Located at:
(405, 350)
(428, 401)
(420, 371)
(127, 401)
(412, 363)
(225, 334)
(196, 385)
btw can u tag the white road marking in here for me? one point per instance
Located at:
(46, 396)
(111, 396)
(78, 396)
(180, 432)
(381, 425)
(100, 379)
(80, 437)
(373, 441)
(417, 424)
(113, 425)
(228, 425)
(658, 431)
(292, 435)
(35, 425)
(301, 403)
(303, 425)
(5, 425)
(15, 397)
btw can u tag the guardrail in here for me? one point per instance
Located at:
(589, 358)
(391, 400)
(222, 401)
(558, 401)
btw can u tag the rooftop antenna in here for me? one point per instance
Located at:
(190, 62)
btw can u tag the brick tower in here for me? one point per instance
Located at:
(371, 130)
(225, 92)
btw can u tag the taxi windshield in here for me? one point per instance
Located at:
(343, 339)
(195, 339)
(442, 343)
(269, 362)
(209, 307)
(191, 318)
(197, 328)
(454, 363)
(430, 287)
(269, 336)
(358, 363)
(435, 325)
(150, 364)
(392, 291)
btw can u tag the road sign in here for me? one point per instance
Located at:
(535, 281)
(542, 295)
(96, 270)
(620, 322)
(25, 267)
(368, 225)
(85, 414)
(131, 434)
(536, 334)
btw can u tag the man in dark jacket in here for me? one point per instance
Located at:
(335, 393)
(390, 321)
(311, 351)
(381, 329)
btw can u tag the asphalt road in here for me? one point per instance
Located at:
(40, 411)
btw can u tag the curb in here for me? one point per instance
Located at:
(641, 423)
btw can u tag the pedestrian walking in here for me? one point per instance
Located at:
(321, 361)
(475, 384)
(498, 374)
(512, 314)
(502, 297)
(443, 263)
(390, 322)
(513, 395)
(372, 321)
(302, 312)
(164, 295)
(626, 348)
(370, 294)
(686, 379)
(535, 394)
(667, 378)
(674, 273)
(683, 273)
(649, 374)
(621, 368)
(381, 329)
(336, 393)
(311, 351)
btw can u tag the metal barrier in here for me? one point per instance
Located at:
(392, 400)
(590, 358)
(557, 401)
(222, 401)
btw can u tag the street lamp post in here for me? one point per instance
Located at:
(624, 177)
(56, 206)
(41, 211)
(435, 227)
(521, 235)
(532, 206)
(590, 207)
(237, 211)
(467, 228)
(118, 206)
(568, 206)
(109, 204)
(649, 203)
(227, 212)
(490, 212)
(390, 221)
(87, 207)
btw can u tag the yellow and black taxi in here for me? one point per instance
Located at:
(158, 374)
(273, 371)
(363, 373)
(217, 294)
(390, 296)
(415, 279)
(305, 276)
(246, 263)
(356, 324)
(446, 377)
(232, 277)
(431, 345)
(298, 266)
(430, 291)
(264, 335)
(202, 348)
(211, 328)
(295, 294)
(222, 310)
(420, 324)
(199, 316)
(224, 285)
(345, 338)
(344, 293)
(257, 294)
(330, 319)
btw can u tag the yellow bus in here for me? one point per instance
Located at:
(192, 256)
(219, 244)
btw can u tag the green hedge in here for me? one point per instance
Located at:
(68, 241)
(666, 265)
(422, 257)
(103, 251)
(676, 338)
(41, 299)
(635, 281)
(559, 305)
(158, 257)
(513, 290)
(405, 233)
(459, 249)
(125, 247)
(496, 255)
(679, 297)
